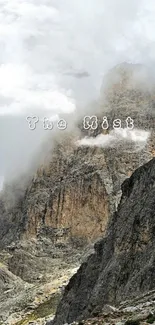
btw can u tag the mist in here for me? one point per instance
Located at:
(53, 57)
(138, 138)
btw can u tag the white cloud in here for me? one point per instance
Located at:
(41, 40)
(14, 80)
(117, 137)
(44, 44)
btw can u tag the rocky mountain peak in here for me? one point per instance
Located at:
(49, 220)
(78, 187)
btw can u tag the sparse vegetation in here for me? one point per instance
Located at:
(43, 310)
(132, 322)
(151, 318)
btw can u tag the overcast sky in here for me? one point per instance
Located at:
(54, 54)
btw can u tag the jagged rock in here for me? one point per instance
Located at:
(123, 264)
(75, 191)
(46, 220)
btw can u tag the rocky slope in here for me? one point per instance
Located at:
(47, 223)
(123, 263)
(32, 277)
(75, 191)
(138, 311)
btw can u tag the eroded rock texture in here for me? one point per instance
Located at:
(46, 220)
(123, 264)
(73, 194)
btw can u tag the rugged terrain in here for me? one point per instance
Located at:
(77, 188)
(48, 224)
(122, 266)
(138, 311)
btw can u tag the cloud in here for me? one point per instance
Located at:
(116, 138)
(19, 85)
(45, 44)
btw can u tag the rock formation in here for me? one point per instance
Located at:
(137, 311)
(123, 263)
(73, 194)
(47, 222)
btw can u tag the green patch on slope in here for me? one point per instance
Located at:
(43, 310)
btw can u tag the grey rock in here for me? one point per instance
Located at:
(123, 264)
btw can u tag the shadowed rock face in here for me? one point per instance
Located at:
(123, 265)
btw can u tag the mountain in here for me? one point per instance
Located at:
(136, 311)
(123, 263)
(77, 188)
(50, 219)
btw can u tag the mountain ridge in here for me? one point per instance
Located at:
(123, 264)
(50, 220)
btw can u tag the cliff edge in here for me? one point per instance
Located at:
(123, 263)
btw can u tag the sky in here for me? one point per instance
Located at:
(53, 56)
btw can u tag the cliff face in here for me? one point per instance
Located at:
(69, 196)
(47, 220)
(73, 194)
(123, 263)
(80, 188)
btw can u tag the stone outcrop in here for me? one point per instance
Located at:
(137, 311)
(69, 198)
(123, 263)
(48, 219)
(75, 191)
